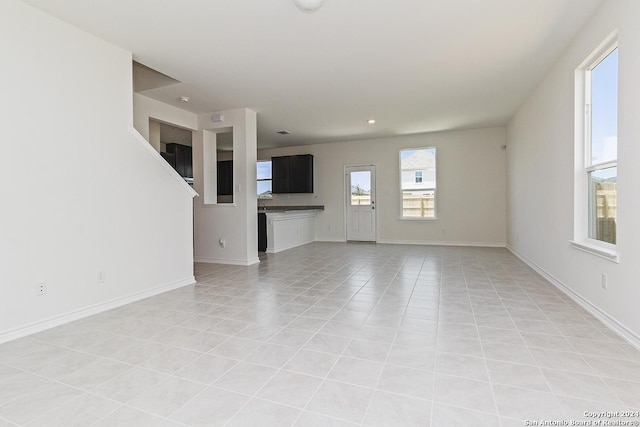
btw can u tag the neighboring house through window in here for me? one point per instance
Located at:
(418, 183)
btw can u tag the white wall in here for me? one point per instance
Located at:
(541, 175)
(236, 223)
(145, 108)
(80, 192)
(470, 177)
(154, 131)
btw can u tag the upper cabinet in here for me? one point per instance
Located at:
(179, 156)
(292, 174)
(280, 175)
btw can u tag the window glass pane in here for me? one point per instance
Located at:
(264, 179)
(418, 204)
(361, 188)
(264, 170)
(604, 110)
(422, 161)
(264, 189)
(603, 195)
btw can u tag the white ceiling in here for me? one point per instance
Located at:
(413, 65)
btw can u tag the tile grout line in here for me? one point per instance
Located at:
(291, 358)
(323, 285)
(531, 355)
(491, 384)
(384, 364)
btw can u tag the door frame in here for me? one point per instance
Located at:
(346, 198)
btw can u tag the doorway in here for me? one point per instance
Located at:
(360, 203)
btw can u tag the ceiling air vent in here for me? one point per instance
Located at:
(284, 132)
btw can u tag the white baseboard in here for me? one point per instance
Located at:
(424, 243)
(61, 319)
(442, 243)
(209, 260)
(608, 320)
(287, 247)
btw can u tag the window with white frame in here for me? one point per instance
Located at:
(600, 167)
(601, 108)
(418, 183)
(264, 179)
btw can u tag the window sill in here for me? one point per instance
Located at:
(606, 253)
(417, 219)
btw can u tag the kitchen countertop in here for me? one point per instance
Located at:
(284, 208)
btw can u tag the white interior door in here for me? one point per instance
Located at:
(361, 203)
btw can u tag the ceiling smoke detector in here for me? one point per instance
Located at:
(184, 99)
(309, 6)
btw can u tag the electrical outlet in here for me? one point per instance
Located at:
(101, 277)
(41, 289)
(604, 281)
(222, 243)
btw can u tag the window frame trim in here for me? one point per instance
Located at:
(264, 179)
(583, 144)
(434, 189)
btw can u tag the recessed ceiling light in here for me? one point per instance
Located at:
(284, 132)
(371, 121)
(184, 99)
(308, 6)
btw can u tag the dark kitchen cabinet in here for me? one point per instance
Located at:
(262, 232)
(225, 177)
(292, 174)
(170, 158)
(182, 157)
(280, 175)
(301, 174)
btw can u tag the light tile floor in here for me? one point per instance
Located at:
(330, 335)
